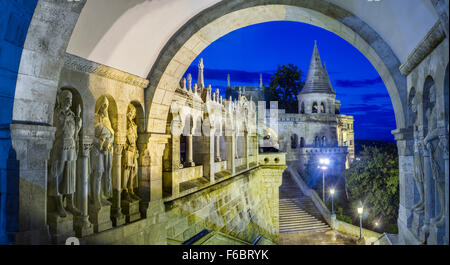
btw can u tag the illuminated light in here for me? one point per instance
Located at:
(332, 191)
(360, 210)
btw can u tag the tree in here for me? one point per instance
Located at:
(284, 87)
(374, 180)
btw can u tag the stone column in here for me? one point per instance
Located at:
(32, 144)
(189, 151)
(82, 226)
(405, 143)
(230, 139)
(429, 194)
(444, 144)
(218, 159)
(116, 212)
(246, 149)
(151, 188)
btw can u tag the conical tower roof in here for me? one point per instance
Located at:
(317, 80)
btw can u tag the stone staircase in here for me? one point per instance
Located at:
(297, 211)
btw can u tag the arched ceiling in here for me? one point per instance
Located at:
(129, 35)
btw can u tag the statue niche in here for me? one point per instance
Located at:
(63, 156)
(130, 161)
(431, 143)
(101, 157)
(418, 158)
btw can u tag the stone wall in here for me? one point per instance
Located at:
(244, 206)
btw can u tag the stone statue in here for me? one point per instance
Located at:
(418, 159)
(101, 157)
(63, 157)
(130, 162)
(431, 142)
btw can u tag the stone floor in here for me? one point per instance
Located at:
(329, 237)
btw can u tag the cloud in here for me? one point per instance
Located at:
(358, 83)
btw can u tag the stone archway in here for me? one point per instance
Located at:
(222, 18)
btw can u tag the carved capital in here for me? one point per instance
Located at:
(118, 148)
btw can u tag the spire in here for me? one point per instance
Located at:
(189, 81)
(328, 76)
(260, 81)
(228, 80)
(317, 80)
(200, 80)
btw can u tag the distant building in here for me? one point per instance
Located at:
(318, 129)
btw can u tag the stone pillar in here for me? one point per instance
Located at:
(246, 149)
(429, 194)
(218, 159)
(444, 144)
(82, 226)
(151, 188)
(230, 139)
(405, 143)
(116, 212)
(189, 151)
(32, 144)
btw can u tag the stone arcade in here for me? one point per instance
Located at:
(49, 47)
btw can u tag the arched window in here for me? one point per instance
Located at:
(302, 108)
(316, 141)
(315, 108)
(302, 142)
(324, 141)
(322, 107)
(294, 141)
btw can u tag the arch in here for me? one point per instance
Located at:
(322, 108)
(315, 107)
(428, 101)
(222, 18)
(294, 141)
(140, 117)
(112, 110)
(324, 141)
(302, 108)
(316, 141)
(302, 142)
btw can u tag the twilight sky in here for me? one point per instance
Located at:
(259, 48)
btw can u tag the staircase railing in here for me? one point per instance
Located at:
(312, 194)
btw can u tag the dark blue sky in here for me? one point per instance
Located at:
(246, 52)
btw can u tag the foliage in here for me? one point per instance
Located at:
(373, 179)
(284, 87)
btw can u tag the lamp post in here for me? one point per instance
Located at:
(360, 212)
(332, 191)
(324, 162)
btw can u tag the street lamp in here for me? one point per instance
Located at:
(360, 212)
(332, 191)
(324, 162)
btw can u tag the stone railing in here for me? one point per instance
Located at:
(318, 203)
(353, 230)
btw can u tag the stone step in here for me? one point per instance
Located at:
(305, 226)
(294, 218)
(303, 222)
(304, 229)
